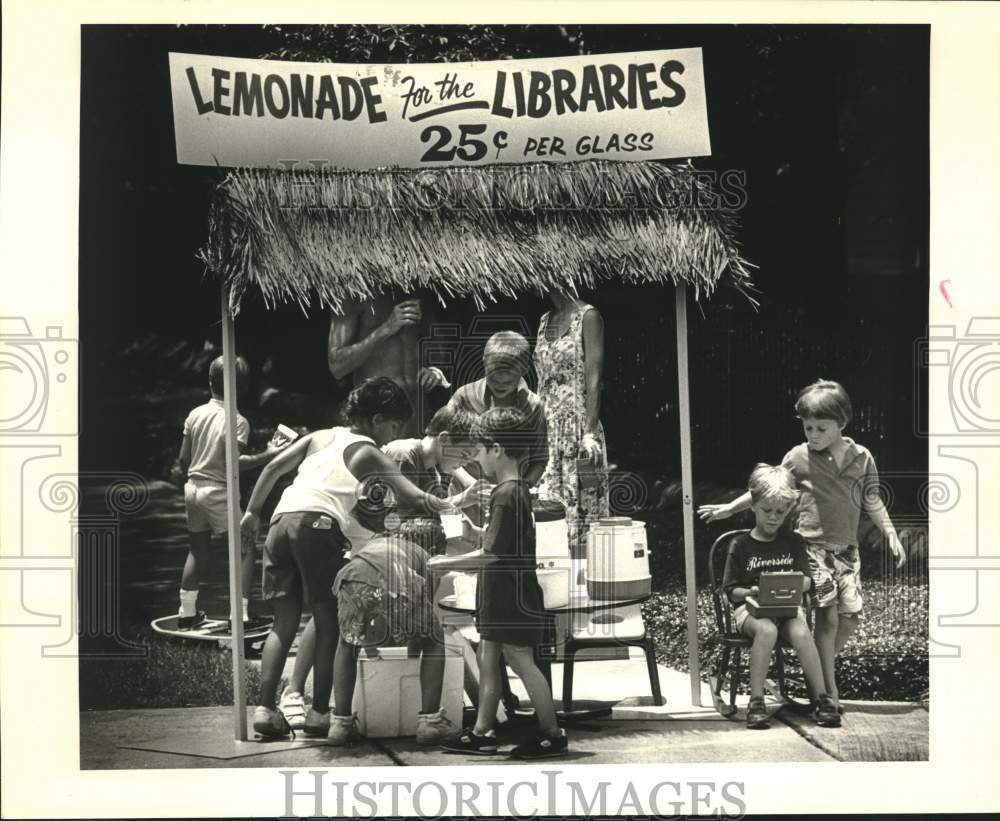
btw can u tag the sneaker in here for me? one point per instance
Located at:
(343, 729)
(471, 743)
(316, 724)
(826, 713)
(757, 717)
(190, 622)
(271, 723)
(434, 727)
(293, 708)
(542, 746)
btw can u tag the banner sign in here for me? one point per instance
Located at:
(274, 113)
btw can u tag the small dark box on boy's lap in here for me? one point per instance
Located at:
(779, 595)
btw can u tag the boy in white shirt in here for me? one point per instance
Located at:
(203, 459)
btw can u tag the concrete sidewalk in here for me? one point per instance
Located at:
(673, 733)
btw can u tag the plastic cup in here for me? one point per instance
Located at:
(451, 523)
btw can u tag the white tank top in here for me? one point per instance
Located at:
(323, 484)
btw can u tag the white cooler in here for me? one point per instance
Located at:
(551, 530)
(555, 577)
(387, 692)
(465, 584)
(617, 560)
(553, 568)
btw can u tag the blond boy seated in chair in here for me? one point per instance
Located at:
(767, 548)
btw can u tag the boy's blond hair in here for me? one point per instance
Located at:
(772, 483)
(511, 345)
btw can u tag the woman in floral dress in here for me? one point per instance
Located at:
(569, 358)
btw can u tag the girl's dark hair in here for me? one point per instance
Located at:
(507, 427)
(378, 395)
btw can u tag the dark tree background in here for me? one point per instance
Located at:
(829, 125)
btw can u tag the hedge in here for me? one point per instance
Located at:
(886, 659)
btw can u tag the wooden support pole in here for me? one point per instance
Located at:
(687, 488)
(233, 520)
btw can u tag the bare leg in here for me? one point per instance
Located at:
(327, 635)
(827, 626)
(432, 659)
(345, 673)
(764, 635)
(304, 658)
(247, 565)
(522, 660)
(796, 633)
(489, 685)
(845, 629)
(287, 611)
(197, 560)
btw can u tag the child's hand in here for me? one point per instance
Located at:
(897, 549)
(754, 591)
(914, 541)
(249, 525)
(178, 476)
(431, 378)
(275, 446)
(477, 493)
(712, 513)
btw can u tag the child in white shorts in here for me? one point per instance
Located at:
(203, 459)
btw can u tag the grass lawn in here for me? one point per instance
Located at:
(173, 674)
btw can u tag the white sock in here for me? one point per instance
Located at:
(246, 603)
(189, 603)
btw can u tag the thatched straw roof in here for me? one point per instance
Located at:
(479, 232)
